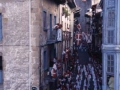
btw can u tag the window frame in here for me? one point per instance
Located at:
(110, 65)
(110, 36)
(50, 22)
(44, 20)
(45, 60)
(55, 20)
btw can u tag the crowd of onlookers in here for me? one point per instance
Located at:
(81, 77)
(77, 76)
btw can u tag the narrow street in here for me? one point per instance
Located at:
(86, 74)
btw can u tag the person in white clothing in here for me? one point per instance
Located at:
(86, 73)
(78, 85)
(84, 68)
(89, 39)
(89, 77)
(85, 85)
(78, 68)
(77, 77)
(53, 73)
(55, 66)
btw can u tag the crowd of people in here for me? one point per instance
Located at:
(78, 76)
(82, 77)
(89, 77)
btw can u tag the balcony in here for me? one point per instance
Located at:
(66, 35)
(54, 36)
(60, 1)
(77, 13)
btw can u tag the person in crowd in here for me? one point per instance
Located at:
(63, 55)
(89, 40)
(53, 73)
(111, 83)
(55, 66)
(88, 79)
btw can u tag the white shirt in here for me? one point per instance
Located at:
(63, 52)
(52, 72)
(55, 66)
(79, 68)
(85, 82)
(77, 77)
(89, 38)
(59, 35)
(83, 36)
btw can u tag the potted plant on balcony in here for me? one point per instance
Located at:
(65, 11)
(67, 14)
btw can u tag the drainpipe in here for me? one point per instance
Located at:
(30, 49)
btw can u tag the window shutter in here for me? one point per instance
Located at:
(55, 20)
(0, 27)
(45, 60)
(44, 20)
(50, 22)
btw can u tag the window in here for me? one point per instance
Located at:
(0, 27)
(50, 22)
(110, 38)
(111, 18)
(110, 63)
(1, 71)
(111, 3)
(45, 60)
(55, 20)
(44, 19)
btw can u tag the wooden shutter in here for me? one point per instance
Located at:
(45, 60)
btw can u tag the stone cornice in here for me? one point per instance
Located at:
(111, 47)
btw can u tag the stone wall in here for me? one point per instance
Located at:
(35, 41)
(15, 44)
(51, 8)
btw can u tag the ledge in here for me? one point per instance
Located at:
(111, 47)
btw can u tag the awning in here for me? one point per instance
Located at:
(77, 13)
(88, 14)
(71, 3)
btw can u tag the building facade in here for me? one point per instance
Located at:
(27, 44)
(111, 42)
(19, 49)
